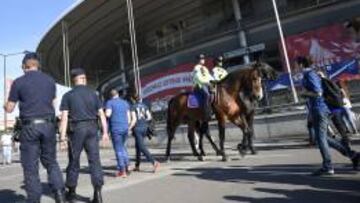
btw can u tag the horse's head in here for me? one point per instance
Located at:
(254, 83)
(267, 71)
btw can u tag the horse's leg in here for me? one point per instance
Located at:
(243, 125)
(191, 137)
(171, 133)
(221, 126)
(206, 132)
(201, 146)
(251, 134)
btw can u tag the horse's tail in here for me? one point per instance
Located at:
(168, 117)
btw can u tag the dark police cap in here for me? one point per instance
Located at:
(30, 56)
(76, 72)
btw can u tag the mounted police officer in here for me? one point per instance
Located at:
(80, 110)
(202, 80)
(219, 72)
(35, 92)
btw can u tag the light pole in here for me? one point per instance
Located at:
(5, 56)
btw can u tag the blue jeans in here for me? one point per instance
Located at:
(140, 133)
(119, 138)
(324, 141)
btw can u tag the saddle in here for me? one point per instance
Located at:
(196, 100)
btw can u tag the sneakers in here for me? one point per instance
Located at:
(156, 166)
(355, 161)
(323, 172)
(121, 174)
(136, 169)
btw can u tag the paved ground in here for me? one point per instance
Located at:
(274, 175)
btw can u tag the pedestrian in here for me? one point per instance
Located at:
(348, 114)
(35, 93)
(6, 143)
(120, 122)
(142, 120)
(320, 112)
(80, 109)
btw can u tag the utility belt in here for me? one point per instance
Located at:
(72, 124)
(21, 123)
(36, 121)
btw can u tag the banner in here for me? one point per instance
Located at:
(347, 70)
(326, 46)
(159, 88)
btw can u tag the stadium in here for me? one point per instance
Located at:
(94, 34)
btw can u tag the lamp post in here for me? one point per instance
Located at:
(5, 56)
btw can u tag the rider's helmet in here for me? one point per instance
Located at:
(201, 56)
(219, 61)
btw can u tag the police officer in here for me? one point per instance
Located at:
(202, 80)
(35, 92)
(80, 109)
(219, 72)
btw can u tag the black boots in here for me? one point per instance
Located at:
(59, 196)
(71, 194)
(97, 195)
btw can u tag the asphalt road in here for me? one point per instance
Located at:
(274, 175)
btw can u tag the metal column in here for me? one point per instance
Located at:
(241, 34)
(283, 44)
(66, 54)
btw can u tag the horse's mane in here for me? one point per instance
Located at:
(237, 75)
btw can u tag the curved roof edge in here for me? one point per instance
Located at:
(58, 19)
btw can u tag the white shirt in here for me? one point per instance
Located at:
(6, 140)
(347, 103)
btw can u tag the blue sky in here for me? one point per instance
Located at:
(22, 25)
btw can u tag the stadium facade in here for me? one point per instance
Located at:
(93, 34)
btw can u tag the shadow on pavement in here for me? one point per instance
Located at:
(341, 188)
(10, 196)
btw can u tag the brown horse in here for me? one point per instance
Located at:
(236, 99)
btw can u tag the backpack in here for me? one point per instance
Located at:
(332, 93)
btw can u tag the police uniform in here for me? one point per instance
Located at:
(83, 105)
(35, 92)
(202, 79)
(219, 73)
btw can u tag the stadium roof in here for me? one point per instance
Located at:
(94, 28)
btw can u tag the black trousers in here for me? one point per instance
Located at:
(38, 141)
(84, 136)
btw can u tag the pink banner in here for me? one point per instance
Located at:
(326, 45)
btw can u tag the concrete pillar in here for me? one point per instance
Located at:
(241, 33)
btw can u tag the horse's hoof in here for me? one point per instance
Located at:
(254, 152)
(200, 158)
(168, 160)
(224, 159)
(203, 154)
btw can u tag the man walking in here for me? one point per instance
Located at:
(320, 112)
(80, 109)
(35, 92)
(120, 121)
